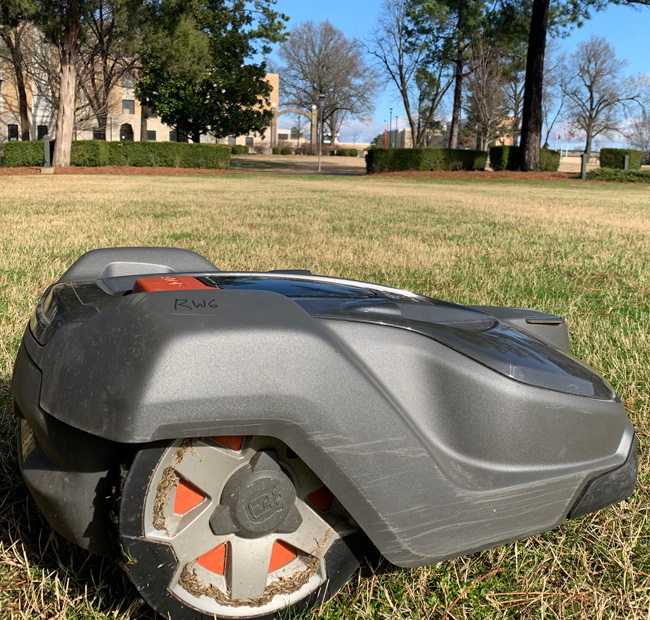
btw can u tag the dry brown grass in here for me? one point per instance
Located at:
(581, 251)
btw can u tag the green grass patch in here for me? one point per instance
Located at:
(578, 250)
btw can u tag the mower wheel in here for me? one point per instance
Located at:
(233, 527)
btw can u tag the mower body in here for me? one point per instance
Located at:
(442, 429)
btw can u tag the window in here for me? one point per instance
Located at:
(232, 141)
(128, 106)
(250, 142)
(127, 80)
(41, 132)
(12, 132)
(99, 135)
(149, 112)
(151, 136)
(283, 136)
(173, 136)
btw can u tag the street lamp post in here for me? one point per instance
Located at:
(321, 101)
(390, 129)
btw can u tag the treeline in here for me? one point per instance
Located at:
(490, 58)
(197, 63)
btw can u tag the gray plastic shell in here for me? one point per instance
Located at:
(433, 454)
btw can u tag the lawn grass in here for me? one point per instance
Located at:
(581, 251)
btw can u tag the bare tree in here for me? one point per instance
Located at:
(416, 67)
(637, 133)
(514, 97)
(486, 106)
(319, 59)
(595, 91)
(108, 53)
(14, 33)
(554, 98)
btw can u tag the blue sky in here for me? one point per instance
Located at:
(626, 29)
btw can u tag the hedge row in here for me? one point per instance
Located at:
(618, 175)
(19, 154)
(347, 152)
(390, 160)
(101, 153)
(510, 158)
(615, 158)
(239, 149)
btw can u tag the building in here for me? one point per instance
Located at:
(124, 120)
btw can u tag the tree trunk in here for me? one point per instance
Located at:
(144, 115)
(66, 112)
(15, 49)
(196, 137)
(458, 86)
(589, 133)
(531, 126)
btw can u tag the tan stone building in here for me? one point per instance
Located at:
(124, 114)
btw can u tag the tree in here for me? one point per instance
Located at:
(553, 98)
(109, 51)
(319, 59)
(463, 20)
(595, 90)
(15, 16)
(60, 21)
(563, 14)
(196, 68)
(415, 62)
(486, 107)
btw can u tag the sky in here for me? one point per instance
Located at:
(626, 29)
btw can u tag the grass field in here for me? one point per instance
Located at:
(581, 251)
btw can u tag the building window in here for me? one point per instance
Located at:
(41, 132)
(12, 132)
(149, 112)
(127, 80)
(128, 106)
(151, 136)
(283, 136)
(99, 135)
(250, 141)
(232, 141)
(173, 136)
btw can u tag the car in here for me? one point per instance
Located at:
(241, 440)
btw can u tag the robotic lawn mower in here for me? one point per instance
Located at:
(242, 439)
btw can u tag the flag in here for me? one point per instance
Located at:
(559, 137)
(572, 135)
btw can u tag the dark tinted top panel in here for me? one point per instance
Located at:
(298, 288)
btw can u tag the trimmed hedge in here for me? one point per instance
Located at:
(347, 152)
(549, 160)
(618, 175)
(91, 153)
(276, 150)
(615, 158)
(425, 159)
(20, 154)
(101, 153)
(168, 154)
(239, 149)
(510, 158)
(286, 151)
(505, 158)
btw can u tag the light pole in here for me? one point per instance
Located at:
(321, 101)
(390, 129)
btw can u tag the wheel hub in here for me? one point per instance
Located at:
(257, 500)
